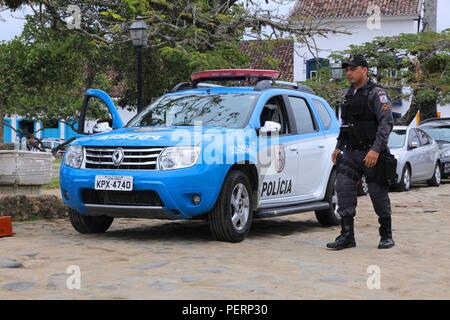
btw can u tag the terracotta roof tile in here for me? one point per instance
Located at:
(281, 50)
(353, 8)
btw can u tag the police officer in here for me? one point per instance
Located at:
(366, 124)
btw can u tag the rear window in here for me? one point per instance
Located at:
(302, 115)
(323, 113)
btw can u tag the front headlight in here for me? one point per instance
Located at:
(446, 154)
(178, 157)
(73, 157)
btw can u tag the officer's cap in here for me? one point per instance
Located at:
(355, 61)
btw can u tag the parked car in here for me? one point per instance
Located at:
(142, 169)
(417, 157)
(50, 144)
(439, 130)
(55, 146)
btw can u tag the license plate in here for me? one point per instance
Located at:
(447, 167)
(116, 183)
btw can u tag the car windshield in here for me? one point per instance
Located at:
(440, 134)
(47, 144)
(218, 110)
(397, 139)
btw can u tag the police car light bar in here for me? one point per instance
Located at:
(234, 74)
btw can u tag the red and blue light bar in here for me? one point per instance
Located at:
(234, 74)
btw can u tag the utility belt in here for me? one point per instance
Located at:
(359, 147)
(385, 172)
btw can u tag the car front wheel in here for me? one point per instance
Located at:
(405, 182)
(435, 181)
(89, 224)
(231, 218)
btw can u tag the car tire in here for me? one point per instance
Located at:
(231, 218)
(89, 224)
(435, 181)
(363, 187)
(330, 217)
(405, 181)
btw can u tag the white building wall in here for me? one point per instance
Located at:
(360, 34)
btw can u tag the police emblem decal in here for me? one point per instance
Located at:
(280, 158)
(383, 98)
(117, 156)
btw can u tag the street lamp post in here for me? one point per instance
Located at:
(336, 73)
(139, 36)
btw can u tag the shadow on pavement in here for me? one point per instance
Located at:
(199, 230)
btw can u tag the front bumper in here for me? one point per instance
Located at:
(445, 167)
(175, 189)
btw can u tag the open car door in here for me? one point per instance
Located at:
(98, 114)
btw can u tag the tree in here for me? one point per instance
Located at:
(56, 63)
(420, 61)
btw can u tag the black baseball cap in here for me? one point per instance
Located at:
(355, 61)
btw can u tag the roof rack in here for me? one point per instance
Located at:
(267, 84)
(264, 79)
(187, 85)
(434, 119)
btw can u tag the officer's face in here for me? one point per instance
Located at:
(356, 74)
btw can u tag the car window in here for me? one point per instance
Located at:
(323, 113)
(441, 134)
(275, 110)
(302, 115)
(423, 137)
(96, 112)
(413, 137)
(397, 139)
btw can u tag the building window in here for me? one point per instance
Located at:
(314, 65)
(51, 124)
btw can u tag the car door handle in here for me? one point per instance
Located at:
(292, 148)
(321, 146)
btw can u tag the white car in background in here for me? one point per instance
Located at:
(417, 157)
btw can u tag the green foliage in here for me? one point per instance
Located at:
(420, 61)
(49, 66)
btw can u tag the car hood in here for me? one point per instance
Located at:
(397, 151)
(444, 146)
(153, 136)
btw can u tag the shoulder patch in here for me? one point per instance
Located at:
(383, 97)
(385, 107)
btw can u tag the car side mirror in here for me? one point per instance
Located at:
(270, 127)
(414, 145)
(101, 127)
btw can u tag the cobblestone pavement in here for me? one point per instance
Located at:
(283, 258)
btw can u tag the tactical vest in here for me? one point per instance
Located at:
(358, 115)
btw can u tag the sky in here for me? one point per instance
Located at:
(11, 23)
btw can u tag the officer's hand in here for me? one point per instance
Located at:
(335, 154)
(371, 159)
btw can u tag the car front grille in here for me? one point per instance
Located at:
(121, 198)
(135, 158)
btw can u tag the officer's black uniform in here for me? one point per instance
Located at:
(366, 124)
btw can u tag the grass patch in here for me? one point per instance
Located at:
(54, 183)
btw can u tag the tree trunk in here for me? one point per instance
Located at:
(2, 127)
(427, 110)
(430, 16)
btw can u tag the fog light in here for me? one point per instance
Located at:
(196, 199)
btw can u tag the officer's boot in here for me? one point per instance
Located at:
(347, 237)
(386, 241)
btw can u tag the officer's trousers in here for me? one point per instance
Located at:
(350, 167)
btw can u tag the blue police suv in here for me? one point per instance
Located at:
(228, 146)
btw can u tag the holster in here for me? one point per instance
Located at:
(386, 169)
